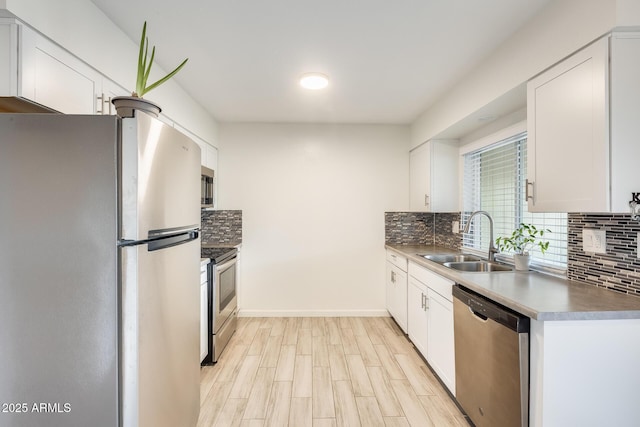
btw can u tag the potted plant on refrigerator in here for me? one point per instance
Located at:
(126, 104)
(521, 241)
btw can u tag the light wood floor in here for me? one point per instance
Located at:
(315, 371)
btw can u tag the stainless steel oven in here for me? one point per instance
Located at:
(223, 304)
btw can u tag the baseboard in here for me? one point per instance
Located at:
(313, 313)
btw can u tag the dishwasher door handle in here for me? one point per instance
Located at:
(478, 316)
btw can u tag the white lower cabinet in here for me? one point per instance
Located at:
(440, 342)
(396, 288)
(418, 315)
(430, 318)
(204, 313)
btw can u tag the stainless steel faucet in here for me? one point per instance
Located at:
(492, 249)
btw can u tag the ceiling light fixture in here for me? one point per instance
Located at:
(314, 81)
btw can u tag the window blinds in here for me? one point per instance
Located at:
(494, 181)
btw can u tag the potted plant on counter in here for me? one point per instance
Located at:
(522, 240)
(126, 104)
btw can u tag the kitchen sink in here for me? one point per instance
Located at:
(442, 258)
(477, 266)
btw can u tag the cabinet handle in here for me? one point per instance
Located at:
(393, 277)
(426, 303)
(100, 102)
(528, 196)
(422, 300)
(426, 200)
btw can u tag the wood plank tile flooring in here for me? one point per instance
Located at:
(322, 371)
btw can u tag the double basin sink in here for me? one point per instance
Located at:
(467, 263)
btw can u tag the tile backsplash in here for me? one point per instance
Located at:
(408, 228)
(222, 227)
(617, 269)
(421, 228)
(444, 235)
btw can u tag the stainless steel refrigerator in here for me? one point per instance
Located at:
(99, 272)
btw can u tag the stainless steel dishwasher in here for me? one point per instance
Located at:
(492, 361)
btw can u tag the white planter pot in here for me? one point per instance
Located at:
(522, 261)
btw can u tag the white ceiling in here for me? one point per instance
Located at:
(388, 61)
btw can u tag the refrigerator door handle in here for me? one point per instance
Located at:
(170, 232)
(164, 241)
(175, 240)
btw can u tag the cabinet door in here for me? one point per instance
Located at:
(9, 59)
(390, 288)
(417, 317)
(433, 177)
(420, 178)
(53, 77)
(203, 322)
(568, 134)
(625, 126)
(444, 191)
(440, 342)
(397, 295)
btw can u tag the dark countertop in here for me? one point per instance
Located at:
(220, 245)
(537, 295)
(217, 253)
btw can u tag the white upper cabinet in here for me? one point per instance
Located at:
(8, 58)
(55, 79)
(40, 70)
(210, 157)
(568, 141)
(433, 177)
(625, 119)
(580, 129)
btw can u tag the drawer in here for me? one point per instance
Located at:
(433, 281)
(397, 260)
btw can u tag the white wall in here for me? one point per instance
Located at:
(81, 28)
(559, 29)
(313, 199)
(628, 13)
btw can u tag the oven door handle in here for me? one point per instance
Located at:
(226, 264)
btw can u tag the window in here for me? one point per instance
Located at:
(494, 181)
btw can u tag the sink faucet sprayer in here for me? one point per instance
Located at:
(492, 248)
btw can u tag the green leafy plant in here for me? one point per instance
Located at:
(144, 67)
(523, 238)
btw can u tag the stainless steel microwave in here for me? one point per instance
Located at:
(207, 192)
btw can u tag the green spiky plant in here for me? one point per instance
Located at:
(144, 67)
(523, 238)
